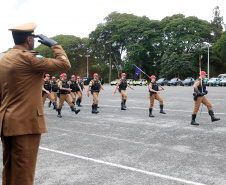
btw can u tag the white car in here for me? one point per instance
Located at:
(213, 81)
(223, 82)
(114, 82)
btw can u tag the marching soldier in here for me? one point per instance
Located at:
(79, 91)
(22, 119)
(55, 89)
(46, 91)
(64, 95)
(95, 86)
(154, 94)
(74, 86)
(122, 84)
(199, 97)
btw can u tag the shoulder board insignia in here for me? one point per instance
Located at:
(39, 56)
(30, 51)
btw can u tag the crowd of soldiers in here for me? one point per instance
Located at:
(63, 88)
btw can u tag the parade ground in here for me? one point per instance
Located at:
(118, 147)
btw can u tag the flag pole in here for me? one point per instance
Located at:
(148, 76)
(142, 71)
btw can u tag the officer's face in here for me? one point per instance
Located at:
(96, 77)
(123, 77)
(54, 80)
(153, 79)
(78, 79)
(73, 79)
(47, 78)
(64, 77)
(203, 76)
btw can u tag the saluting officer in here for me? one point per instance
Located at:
(122, 84)
(199, 97)
(64, 95)
(79, 91)
(74, 86)
(95, 86)
(22, 117)
(154, 94)
(46, 91)
(55, 90)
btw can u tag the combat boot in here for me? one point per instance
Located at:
(74, 109)
(124, 101)
(49, 104)
(193, 120)
(122, 106)
(59, 113)
(54, 105)
(213, 118)
(161, 109)
(73, 103)
(95, 107)
(150, 113)
(79, 102)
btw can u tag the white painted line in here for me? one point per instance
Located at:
(145, 108)
(122, 167)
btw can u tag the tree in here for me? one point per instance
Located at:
(175, 65)
(217, 24)
(75, 49)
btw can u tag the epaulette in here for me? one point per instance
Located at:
(31, 51)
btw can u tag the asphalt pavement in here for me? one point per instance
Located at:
(128, 147)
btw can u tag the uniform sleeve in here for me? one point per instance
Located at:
(91, 83)
(60, 63)
(150, 86)
(198, 82)
(119, 82)
(60, 84)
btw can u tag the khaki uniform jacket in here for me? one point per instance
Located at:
(21, 82)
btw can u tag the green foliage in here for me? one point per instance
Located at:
(174, 65)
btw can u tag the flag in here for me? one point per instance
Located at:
(137, 72)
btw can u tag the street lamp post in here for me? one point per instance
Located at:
(208, 61)
(87, 66)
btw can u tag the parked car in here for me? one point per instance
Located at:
(223, 82)
(221, 76)
(141, 82)
(188, 81)
(174, 81)
(206, 81)
(213, 81)
(130, 81)
(162, 81)
(114, 82)
(86, 80)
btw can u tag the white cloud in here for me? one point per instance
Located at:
(79, 18)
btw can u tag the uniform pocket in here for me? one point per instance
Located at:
(41, 118)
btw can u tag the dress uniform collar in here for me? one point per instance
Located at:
(19, 47)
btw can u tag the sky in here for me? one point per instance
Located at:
(80, 17)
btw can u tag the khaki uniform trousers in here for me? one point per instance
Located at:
(95, 97)
(73, 96)
(19, 159)
(124, 95)
(153, 97)
(54, 94)
(49, 96)
(64, 97)
(205, 101)
(79, 94)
